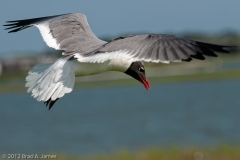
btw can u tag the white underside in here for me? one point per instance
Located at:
(84, 69)
(53, 81)
(46, 34)
(120, 55)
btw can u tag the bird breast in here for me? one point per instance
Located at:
(83, 69)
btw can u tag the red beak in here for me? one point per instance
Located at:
(145, 83)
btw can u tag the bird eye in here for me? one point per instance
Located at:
(141, 69)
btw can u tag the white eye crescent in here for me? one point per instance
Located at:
(141, 69)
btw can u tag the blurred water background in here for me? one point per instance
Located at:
(189, 105)
(91, 121)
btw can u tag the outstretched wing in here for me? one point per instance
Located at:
(152, 48)
(68, 32)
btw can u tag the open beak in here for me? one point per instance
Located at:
(145, 82)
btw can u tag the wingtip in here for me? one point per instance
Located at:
(218, 48)
(11, 31)
(187, 60)
(17, 25)
(10, 27)
(229, 49)
(16, 28)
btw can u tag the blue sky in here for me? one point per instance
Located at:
(112, 18)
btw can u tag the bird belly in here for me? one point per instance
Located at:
(83, 69)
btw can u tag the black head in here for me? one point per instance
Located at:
(137, 71)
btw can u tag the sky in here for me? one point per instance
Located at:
(113, 18)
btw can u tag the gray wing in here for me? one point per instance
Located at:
(152, 48)
(68, 32)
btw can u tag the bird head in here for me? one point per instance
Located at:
(137, 71)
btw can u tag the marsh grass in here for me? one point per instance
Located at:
(16, 83)
(224, 152)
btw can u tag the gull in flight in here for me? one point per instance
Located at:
(72, 34)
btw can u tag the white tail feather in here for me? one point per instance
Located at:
(53, 81)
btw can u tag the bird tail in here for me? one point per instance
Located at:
(49, 82)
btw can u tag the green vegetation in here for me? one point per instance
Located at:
(16, 83)
(224, 152)
(219, 153)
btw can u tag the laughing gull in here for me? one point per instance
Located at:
(72, 34)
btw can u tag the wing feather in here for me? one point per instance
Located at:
(68, 32)
(153, 48)
(71, 33)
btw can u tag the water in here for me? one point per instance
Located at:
(97, 120)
